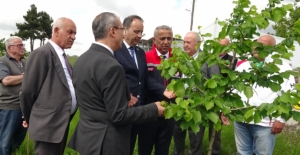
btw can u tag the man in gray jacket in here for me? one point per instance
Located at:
(190, 41)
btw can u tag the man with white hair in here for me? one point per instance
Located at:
(48, 98)
(12, 133)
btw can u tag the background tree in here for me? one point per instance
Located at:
(285, 25)
(45, 27)
(2, 47)
(37, 25)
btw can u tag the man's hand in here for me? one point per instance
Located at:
(277, 127)
(169, 94)
(25, 125)
(225, 119)
(133, 101)
(160, 108)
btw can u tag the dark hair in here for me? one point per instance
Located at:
(102, 23)
(128, 20)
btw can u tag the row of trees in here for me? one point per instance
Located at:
(37, 25)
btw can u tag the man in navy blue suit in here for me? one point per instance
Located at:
(133, 60)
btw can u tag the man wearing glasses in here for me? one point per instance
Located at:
(133, 60)
(12, 133)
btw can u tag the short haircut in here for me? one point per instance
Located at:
(162, 27)
(10, 41)
(128, 20)
(102, 23)
(58, 23)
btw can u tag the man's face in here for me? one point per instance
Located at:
(189, 44)
(262, 40)
(66, 34)
(163, 40)
(119, 30)
(133, 34)
(17, 48)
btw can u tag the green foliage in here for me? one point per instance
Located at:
(206, 97)
(37, 25)
(2, 47)
(286, 26)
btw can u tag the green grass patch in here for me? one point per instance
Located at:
(287, 143)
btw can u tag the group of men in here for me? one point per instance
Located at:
(115, 85)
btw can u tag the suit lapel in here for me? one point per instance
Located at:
(127, 55)
(58, 66)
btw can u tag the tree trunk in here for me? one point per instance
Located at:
(211, 141)
(31, 44)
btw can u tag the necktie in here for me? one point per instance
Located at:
(132, 53)
(68, 64)
(163, 57)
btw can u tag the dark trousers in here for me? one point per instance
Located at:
(158, 134)
(133, 135)
(195, 140)
(12, 133)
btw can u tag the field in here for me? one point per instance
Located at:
(287, 143)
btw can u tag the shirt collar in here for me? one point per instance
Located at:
(159, 54)
(58, 50)
(101, 44)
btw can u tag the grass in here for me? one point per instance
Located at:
(287, 143)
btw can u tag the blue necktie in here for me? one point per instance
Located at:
(132, 53)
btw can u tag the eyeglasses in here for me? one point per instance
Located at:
(121, 28)
(18, 45)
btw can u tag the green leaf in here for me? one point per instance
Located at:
(297, 28)
(207, 35)
(214, 117)
(257, 117)
(274, 86)
(172, 71)
(287, 7)
(277, 14)
(218, 126)
(249, 113)
(180, 112)
(209, 105)
(248, 92)
(179, 89)
(297, 86)
(219, 102)
(212, 83)
(283, 108)
(285, 98)
(239, 118)
(195, 127)
(184, 104)
(239, 86)
(296, 115)
(168, 113)
(184, 125)
(188, 116)
(197, 116)
(232, 75)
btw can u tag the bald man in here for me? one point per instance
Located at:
(259, 138)
(225, 56)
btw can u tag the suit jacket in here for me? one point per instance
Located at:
(45, 96)
(102, 95)
(138, 79)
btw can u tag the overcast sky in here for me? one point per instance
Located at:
(154, 13)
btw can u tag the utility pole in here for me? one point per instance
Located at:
(192, 15)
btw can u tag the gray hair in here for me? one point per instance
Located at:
(128, 20)
(196, 35)
(58, 23)
(102, 23)
(164, 27)
(10, 41)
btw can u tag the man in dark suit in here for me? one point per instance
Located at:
(102, 94)
(47, 96)
(133, 60)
